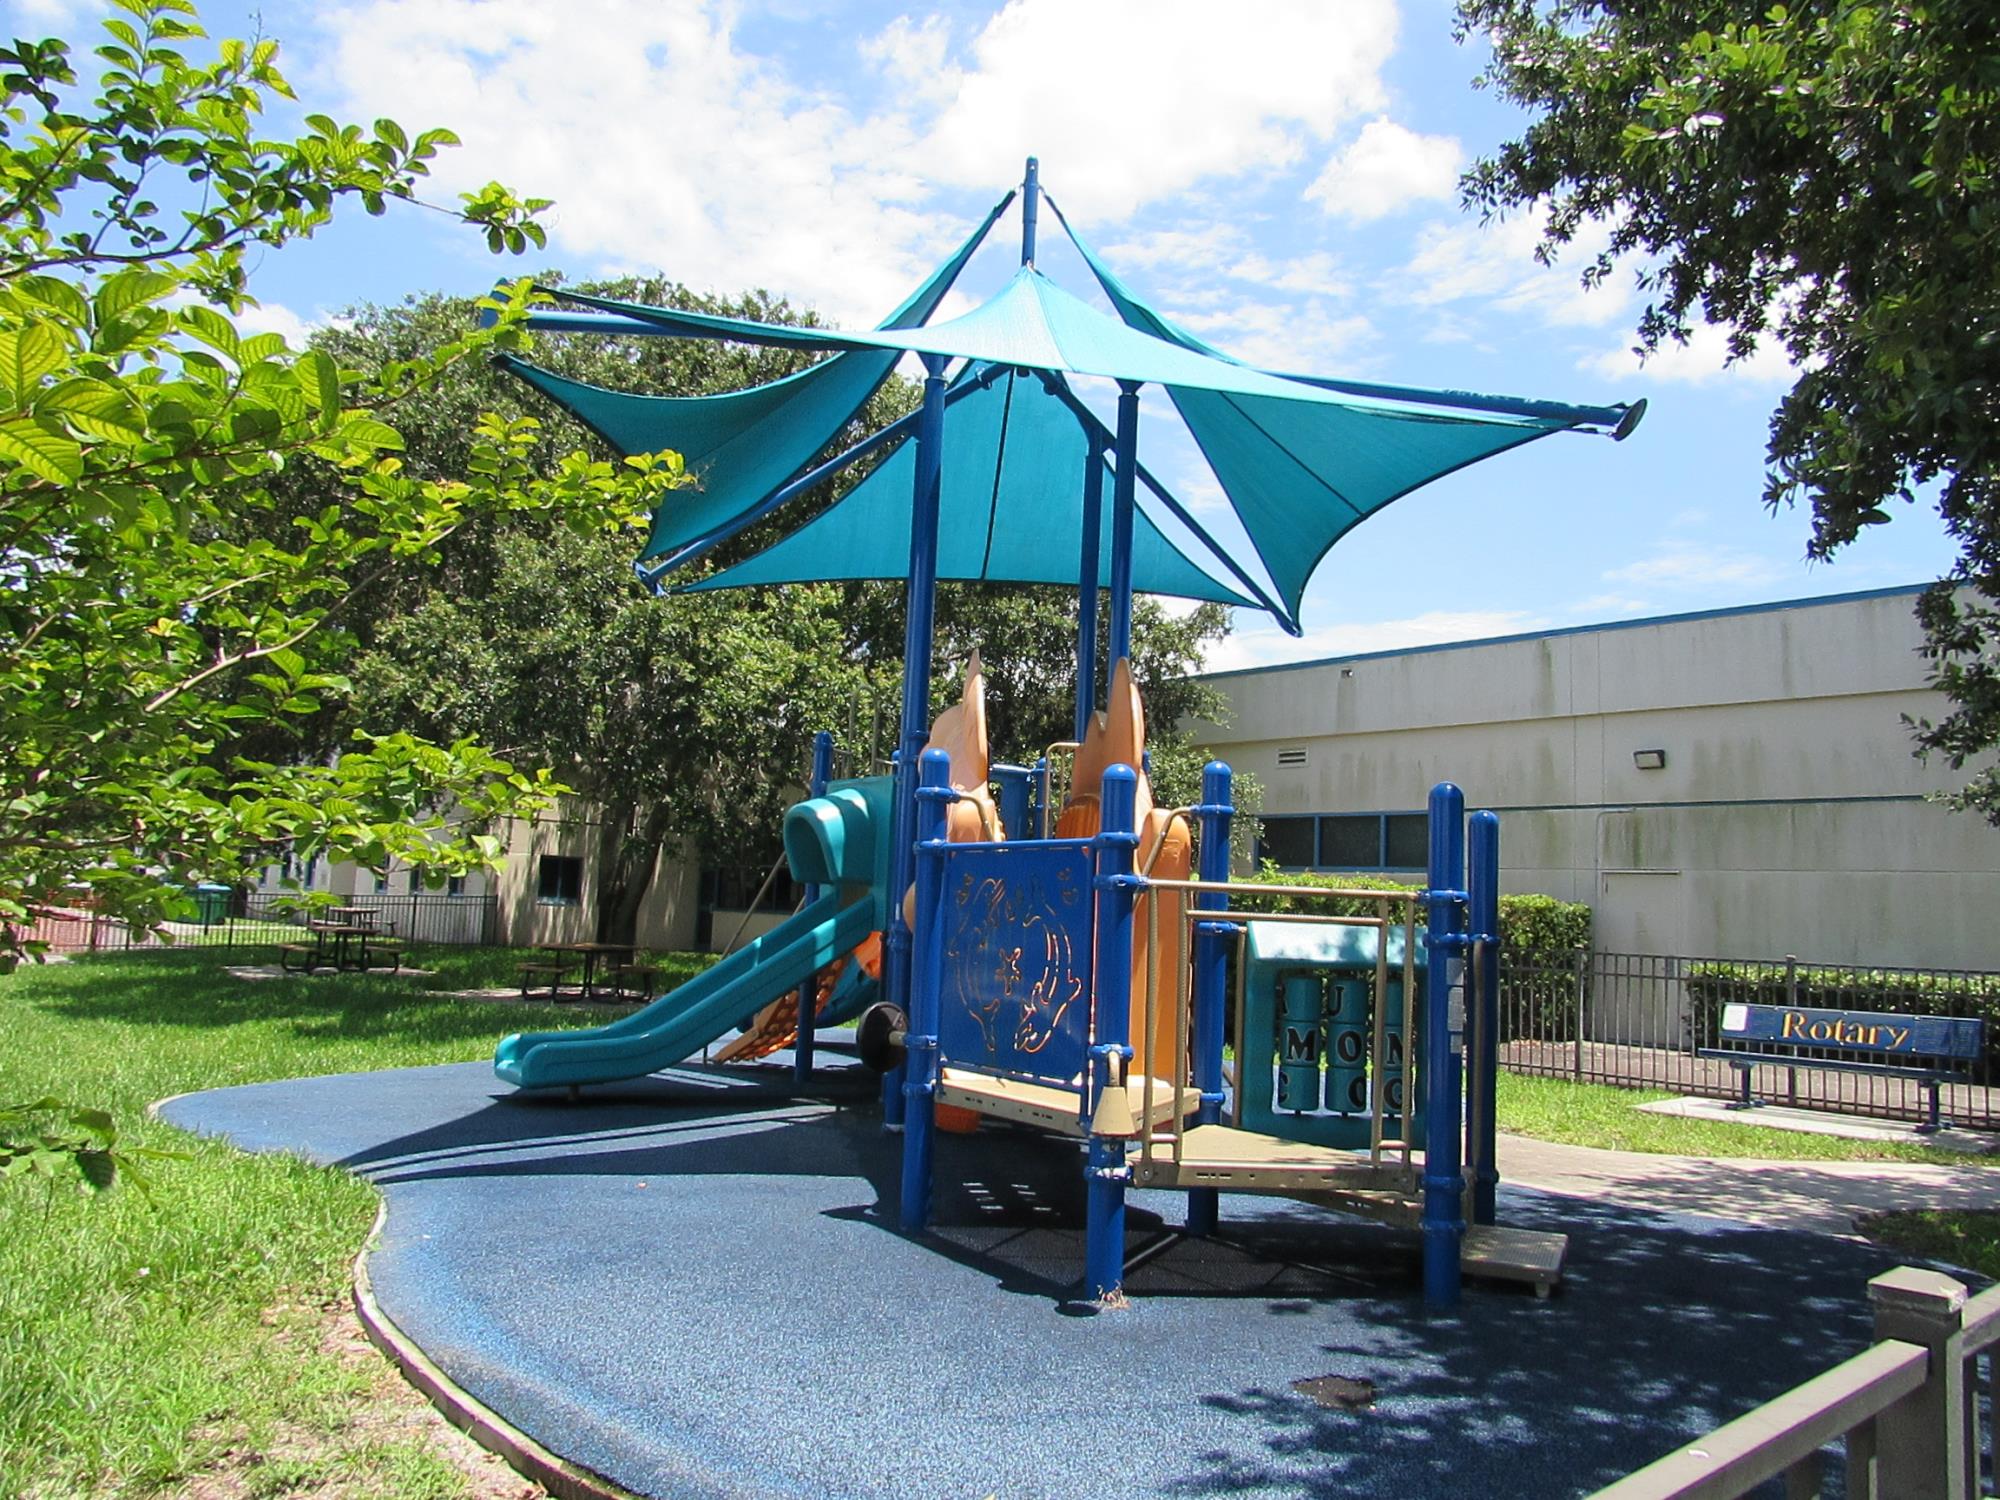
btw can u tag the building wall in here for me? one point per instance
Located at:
(1789, 816)
(666, 915)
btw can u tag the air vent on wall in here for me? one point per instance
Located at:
(1295, 756)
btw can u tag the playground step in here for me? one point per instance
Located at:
(1049, 1106)
(1247, 1161)
(1514, 1255)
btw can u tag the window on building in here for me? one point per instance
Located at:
(1347, 841)
(560, 882)
(454, 885)
(381, 883)
(1288, 842)
(731, 888)
(1407, 841)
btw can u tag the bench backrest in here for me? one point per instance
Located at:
(1855, 1030)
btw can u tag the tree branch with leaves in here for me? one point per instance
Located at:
(149, 622)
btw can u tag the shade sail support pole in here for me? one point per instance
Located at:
(1124, 499)
(919, 623)
(1088, 568)
(1031, 201)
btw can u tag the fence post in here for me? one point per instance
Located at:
(1582, 987)
(1920, 1441)
(1792, 1003)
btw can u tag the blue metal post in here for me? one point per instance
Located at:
(1016, 800)
(934, 799)
(1088, 566)
(1211, 966)
(1443, 1222)
(920, 616)
(802, 1049)
(1031, 202)
(1482, 1130)
(1124, 497)
(1105, 1171)
(1038, 810)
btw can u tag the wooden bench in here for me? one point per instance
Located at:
(373, 948)
(1929, 1049)
(552, 974)
(635, 979)
(298, 958)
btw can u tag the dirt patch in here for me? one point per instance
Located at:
(375, 1438)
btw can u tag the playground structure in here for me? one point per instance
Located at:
(1007, 922)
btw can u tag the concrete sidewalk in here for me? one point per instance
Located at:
(1822, 1196)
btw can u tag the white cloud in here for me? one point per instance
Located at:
(664, 145)
(1461, 260)
(1608, 606)
(1703, 358)
(1318, 274)
(1387, 167)
(1675, 566)
(1130, 101)
(1308, 336)
(914, 54)
(1199, 248)
(668, 146)
(275, 317)
(1267, 647)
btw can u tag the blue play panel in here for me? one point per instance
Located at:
(694, 1286)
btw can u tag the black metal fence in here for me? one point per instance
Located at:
(262, 919)
(1641, 1020)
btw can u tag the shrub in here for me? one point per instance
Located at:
(1528, 923)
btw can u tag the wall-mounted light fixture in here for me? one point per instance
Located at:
(1650, 760)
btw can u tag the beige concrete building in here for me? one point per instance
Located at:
(1735, 783)
(542, 893)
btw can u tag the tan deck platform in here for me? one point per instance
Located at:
(1246, 1161)
(1503, 1254)
(1049, 1106)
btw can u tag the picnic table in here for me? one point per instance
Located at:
(617, 955)
(344, 938)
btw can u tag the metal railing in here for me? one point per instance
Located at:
(1640, 1020)
(1906, 1412)
(262, 919)
(1393, 910)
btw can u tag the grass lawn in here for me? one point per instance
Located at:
(141, 1344)
(172, 1344)
(1590, 1114)
(1959, 1237)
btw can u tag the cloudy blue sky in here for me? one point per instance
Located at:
(1279, 176)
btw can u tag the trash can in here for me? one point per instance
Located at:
(211, 903)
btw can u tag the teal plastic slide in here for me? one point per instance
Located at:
(837, 842)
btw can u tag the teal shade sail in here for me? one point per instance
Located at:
(744, 444)
(1302, 463)
(1302, 477)
(1302, 460)
(1008, 510)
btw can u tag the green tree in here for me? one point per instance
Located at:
(143, 624)
(1821, 174)
(685, 721)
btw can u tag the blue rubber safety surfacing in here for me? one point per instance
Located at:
(695, 1287)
